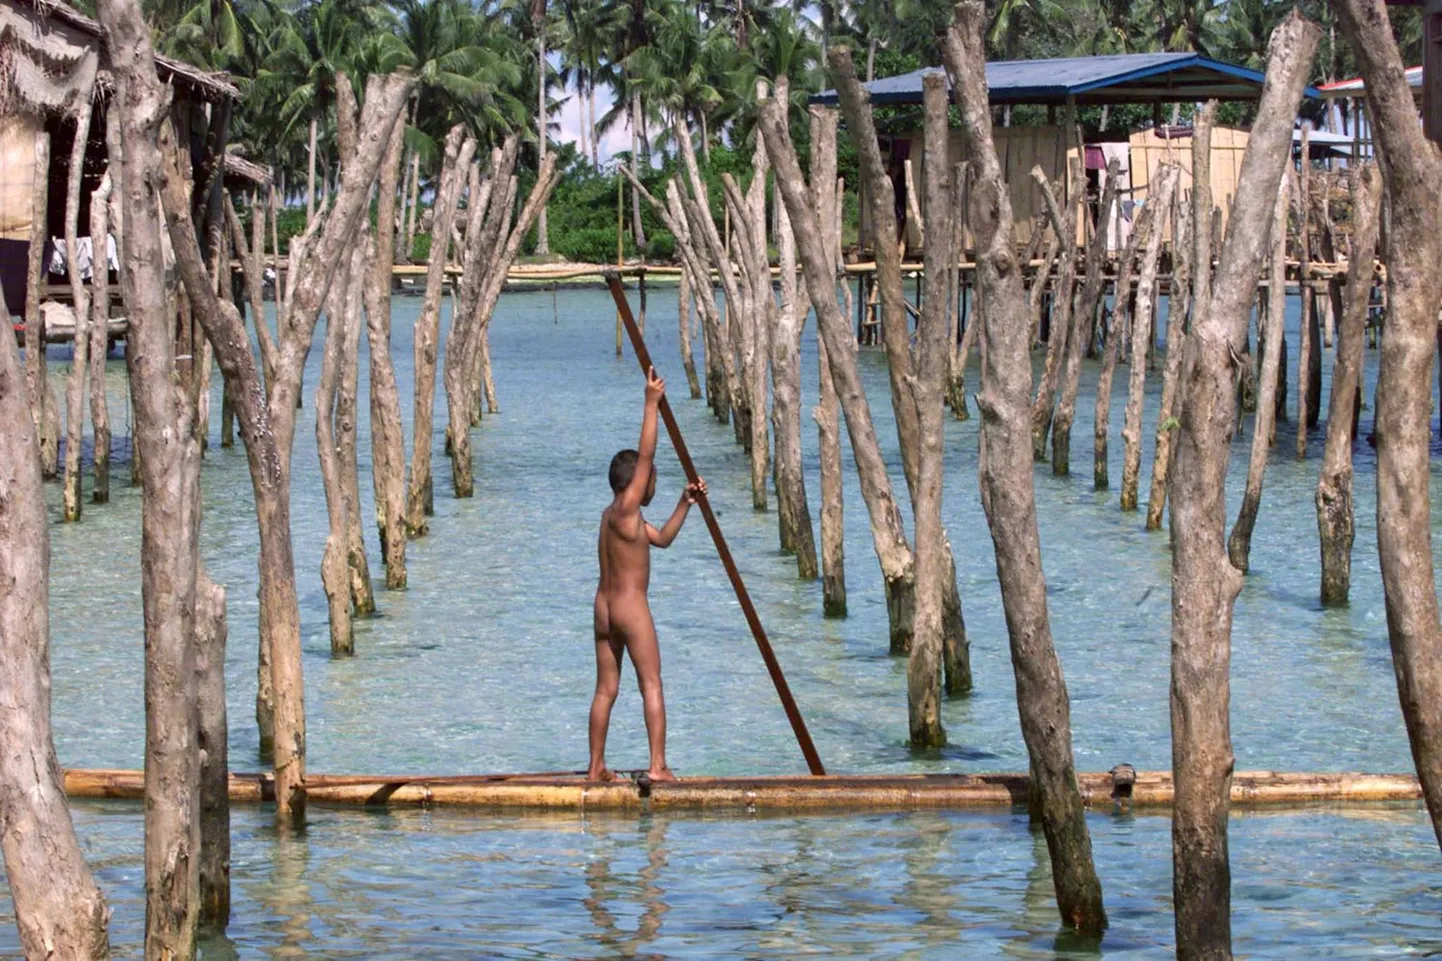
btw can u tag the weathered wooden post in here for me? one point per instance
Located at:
(1412, 177)
(1204, 584)
(1008, 496)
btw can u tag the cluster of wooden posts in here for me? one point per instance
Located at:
(1283, 228)
(179, 326)
(176, 240)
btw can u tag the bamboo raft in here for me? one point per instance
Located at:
(560, 791)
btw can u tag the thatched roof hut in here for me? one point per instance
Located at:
(54, 75)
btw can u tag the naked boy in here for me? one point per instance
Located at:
(623, 614)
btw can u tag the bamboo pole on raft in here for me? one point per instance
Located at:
(783, 690)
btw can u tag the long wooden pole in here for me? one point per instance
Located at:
(793, 714)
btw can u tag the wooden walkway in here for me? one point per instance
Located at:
(559, 791)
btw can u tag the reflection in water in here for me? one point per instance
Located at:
(288, 894)
(610, 890)
(929, 890)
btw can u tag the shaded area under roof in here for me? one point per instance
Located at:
(1111, 79)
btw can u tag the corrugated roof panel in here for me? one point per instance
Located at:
(1112, 78)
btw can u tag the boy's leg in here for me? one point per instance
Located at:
(646, 656)
(608, 683)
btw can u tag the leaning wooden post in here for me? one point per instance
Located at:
(1044, 403)
(427, 334)
(58, 907)
(1177, 315)
(683, 317)
(900, 364)
(817, 254)
(1141, 339)
(793, 713)
(1083, 324)
(1137, 245)
(1204, 584)
(1334, 486)
(1412, 176)
(1239, 543)
(1008, 496)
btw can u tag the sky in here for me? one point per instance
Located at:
(567, 122)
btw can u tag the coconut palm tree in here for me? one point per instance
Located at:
(309, 47)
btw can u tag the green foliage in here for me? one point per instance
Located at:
(659, 64)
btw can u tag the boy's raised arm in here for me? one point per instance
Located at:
(635, 491)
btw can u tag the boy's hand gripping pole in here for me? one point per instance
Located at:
(793, 714)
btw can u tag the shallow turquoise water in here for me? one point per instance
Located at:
(485, 664)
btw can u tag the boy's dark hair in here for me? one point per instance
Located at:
(623, 468)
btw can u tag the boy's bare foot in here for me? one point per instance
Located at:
(663, 774)
(604, 774)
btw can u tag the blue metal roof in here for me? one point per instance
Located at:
(1115, 78)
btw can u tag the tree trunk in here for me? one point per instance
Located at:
(170, 502)
(638, 230)
(1083, 323)
(388, 451)
(1007, 493)
(500, 241)
(58, 907)
(755, 318)
(1043, 404)
(427, 332)
(818, 261)
(268, 428)
(1141, 338)
(35, 366)
(310, 178)
(1064, 228)
(957, 343)
(362, 596)
(80, 303)
(792, 510)
(856, 107)
(1239, 544)
(1204, 584)
(1050, 258)
(100, 338)
(543, 234)
(924, 670)
(826, 198)
(1305, 347)
(1334, 487)
(213, 736)
(1137, 246)
(683, 315)
(413, 214)
(702, 226)
(1413, 182)
(1177, 313)
(334, 570)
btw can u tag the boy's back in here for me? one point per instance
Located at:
(622, 612)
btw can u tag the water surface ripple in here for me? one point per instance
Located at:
(485, 664)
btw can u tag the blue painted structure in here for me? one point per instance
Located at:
(1112, 78)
